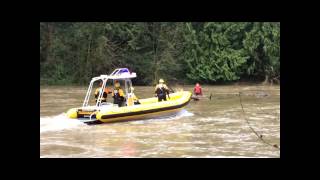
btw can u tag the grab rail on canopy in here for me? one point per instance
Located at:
(87, 98)
(114, 75)
(101, 92)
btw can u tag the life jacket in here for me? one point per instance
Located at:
(105, 93)
(161, 89)
(118, 96)
(197, 90)
(116, 93)
(134, 97)
(131, 99)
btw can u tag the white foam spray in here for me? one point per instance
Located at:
(58, 123)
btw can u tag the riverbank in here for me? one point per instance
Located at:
(241, 83)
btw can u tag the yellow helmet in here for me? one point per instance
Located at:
(117, 84)
(161, 81)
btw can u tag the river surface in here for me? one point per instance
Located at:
(214, 128)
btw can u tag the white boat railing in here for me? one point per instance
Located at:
(101, 92)
(86, 99)
(119, 73)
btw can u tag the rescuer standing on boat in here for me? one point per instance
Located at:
(118, 95)
(161, 90)
(105, 93)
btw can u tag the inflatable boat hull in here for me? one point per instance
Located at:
(148, 109)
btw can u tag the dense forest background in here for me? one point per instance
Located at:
(178, 52)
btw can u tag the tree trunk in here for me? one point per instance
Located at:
(49, 34)
(155, 61)
(48, 37)
(88, 68)
(266, 80)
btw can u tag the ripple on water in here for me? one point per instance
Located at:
(60, 150)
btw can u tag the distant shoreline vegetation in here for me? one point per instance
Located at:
(247, 82)
(211, 53)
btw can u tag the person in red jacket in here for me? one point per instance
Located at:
(197, 90)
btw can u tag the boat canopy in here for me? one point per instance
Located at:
(118, 74)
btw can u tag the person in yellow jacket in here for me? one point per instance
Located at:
(161, 90)
(105, 93)
(118, 95)
(134, 97)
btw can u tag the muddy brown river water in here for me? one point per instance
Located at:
(207, 128)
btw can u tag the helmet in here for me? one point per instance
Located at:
(132, 89)
(161, 81)
(117, 84)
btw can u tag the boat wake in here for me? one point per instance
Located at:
(182, 113)
(58, 123)
(62, 122)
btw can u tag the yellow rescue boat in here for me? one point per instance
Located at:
(108, 112)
